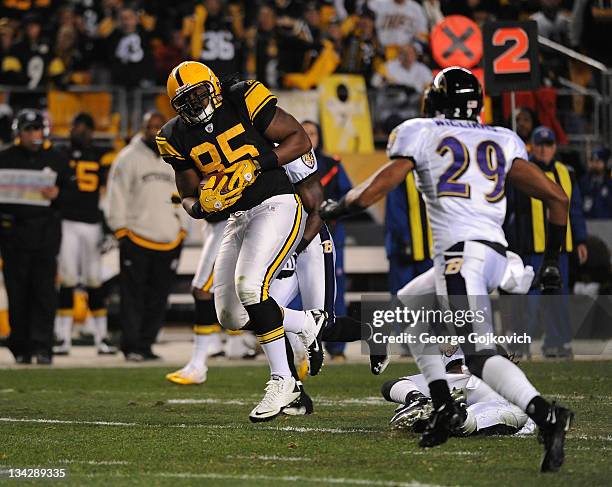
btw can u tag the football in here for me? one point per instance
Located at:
(218, 175)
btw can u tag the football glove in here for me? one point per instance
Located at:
(215, 197)
(244, 173)
(331, 210)
(549, 277)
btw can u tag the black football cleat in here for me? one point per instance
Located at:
(302, 405)
(44, 358)
(552, 435)
(378, 363)
(443, 422)
(413, 415)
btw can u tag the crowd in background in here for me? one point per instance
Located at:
(293, 44)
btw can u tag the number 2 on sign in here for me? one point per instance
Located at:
(511, 61)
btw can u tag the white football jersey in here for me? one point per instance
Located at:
(461, 168)
(398, 24)
(302, 167)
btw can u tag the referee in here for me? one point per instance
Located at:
(29, 241)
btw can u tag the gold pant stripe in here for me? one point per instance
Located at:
(271, 335)
(234, 332)
(209, 282)
(152, 245)
(65, 312)
(206, 329)
(565, 182)
(97, 313)
(295, 231)
(414, 213)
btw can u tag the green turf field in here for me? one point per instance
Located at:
(125, 427)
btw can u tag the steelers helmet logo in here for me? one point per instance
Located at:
(309, 159)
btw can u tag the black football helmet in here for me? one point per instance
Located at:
(30, 117)
(454, 93)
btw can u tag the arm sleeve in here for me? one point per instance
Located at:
(119, 186)
(577, 221)
(260, 104)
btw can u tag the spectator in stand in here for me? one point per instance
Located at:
(168, 54)
(554, 25)
(34, 53)
(526, 122)
(480, 11)
(552, 22)
(362, 53)
(11, 71)
(69, 65)
(433, 12)
(596, 186)
(214, 36)
(130, 53)
(405, 79)
(399, 22)
(406, 70)
(264, 47)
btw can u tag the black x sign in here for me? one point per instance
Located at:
(458, 42)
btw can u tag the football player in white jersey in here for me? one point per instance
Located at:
(461, 168)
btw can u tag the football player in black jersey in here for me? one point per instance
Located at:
(222, 148)
(80, 256)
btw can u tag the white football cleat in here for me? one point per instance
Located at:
(280, 393)
(311, 338)
(188, 375)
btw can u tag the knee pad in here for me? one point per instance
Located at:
(232, 319)
(475, 363)
(249, 291)
(385, 390)
(66, 298)
(265, 316)
(96, 298)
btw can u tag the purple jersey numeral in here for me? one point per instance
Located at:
(448, 184)
(493, 168)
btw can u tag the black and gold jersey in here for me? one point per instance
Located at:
(79, 199)
(235, 132)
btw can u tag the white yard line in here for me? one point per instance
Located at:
(265, 458)
(61, 421)
(297, 429)
(320, 401)
(253, 479)
(6, 391)
(95, 462)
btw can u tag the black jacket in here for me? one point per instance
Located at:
(29, 226)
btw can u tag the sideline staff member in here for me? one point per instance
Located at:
(29, 241)
(150, 228)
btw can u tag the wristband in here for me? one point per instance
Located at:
(555, 236)
(197, 211)
(267, 161)
(302, 245)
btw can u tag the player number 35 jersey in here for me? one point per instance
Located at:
(461, 169)
(234, 133)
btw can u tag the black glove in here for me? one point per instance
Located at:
(549, 277)
(332, 209)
